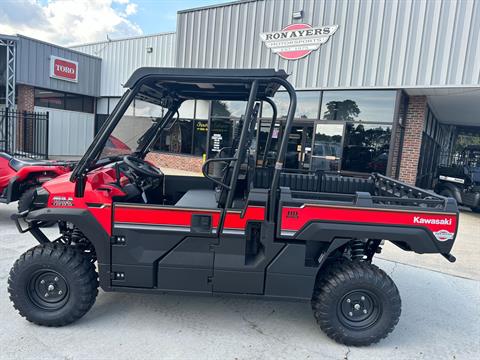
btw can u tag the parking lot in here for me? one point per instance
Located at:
(440, 319)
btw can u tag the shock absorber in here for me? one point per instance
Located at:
(357, 250)
(77, 236)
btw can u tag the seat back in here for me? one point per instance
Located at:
(300, 182)
(346, 185)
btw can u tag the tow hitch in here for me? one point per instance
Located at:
(450, 257)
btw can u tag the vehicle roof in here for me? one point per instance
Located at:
(207, 84)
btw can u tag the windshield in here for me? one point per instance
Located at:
(125, 138)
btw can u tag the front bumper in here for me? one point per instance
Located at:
(24, 225)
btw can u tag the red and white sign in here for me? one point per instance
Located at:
(296, 41)
(63, 69)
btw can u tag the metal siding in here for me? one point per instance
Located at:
(120, 58)
(33, 67)
(379, 44)
(70, 132)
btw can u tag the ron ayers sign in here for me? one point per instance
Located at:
(297, 40)
(63, 69)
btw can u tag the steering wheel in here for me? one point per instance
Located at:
(142, 167)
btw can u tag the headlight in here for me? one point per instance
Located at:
(40, 198)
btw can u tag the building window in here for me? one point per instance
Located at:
(63, 101)
(308, 103)
(49, 99)
(220, 135)
(178, 139)
(327, 147)
(228, 109)
(189, 133)
(200, 132)
(365, 106)
(365, 147)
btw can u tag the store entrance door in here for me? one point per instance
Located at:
(327, 146)
(299, 147)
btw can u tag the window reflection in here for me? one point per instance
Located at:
(372, 106)
(366, 148)
(307, 105)
(327, 147)
(222, 108)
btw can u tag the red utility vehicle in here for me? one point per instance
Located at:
(19, 177)
(254, 230)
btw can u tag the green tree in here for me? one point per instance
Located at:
(341, 110)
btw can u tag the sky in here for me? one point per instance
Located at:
(71, 22)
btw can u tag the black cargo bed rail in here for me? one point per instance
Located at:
(387, 193)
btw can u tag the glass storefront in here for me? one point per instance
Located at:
(332, 131)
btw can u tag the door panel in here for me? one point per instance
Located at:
(163, 246)
(238, 269)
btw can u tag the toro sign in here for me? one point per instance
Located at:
(297, 40)
(63, 69)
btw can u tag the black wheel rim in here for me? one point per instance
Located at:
(48, 290)
(359, 309)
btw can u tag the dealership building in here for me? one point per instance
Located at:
(387, 86)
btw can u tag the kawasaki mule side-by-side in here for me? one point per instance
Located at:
(252, 229)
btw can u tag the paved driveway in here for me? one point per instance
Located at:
(440, 320)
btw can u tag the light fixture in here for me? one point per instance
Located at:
(297, 14)
(149, 49)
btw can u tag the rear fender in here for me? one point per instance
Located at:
(415, 238)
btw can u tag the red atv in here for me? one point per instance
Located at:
(19, 177)
(255, 229)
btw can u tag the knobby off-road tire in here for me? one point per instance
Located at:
(53, 285)
(25, 200)
(356, 303)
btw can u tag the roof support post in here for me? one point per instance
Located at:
(283, 146)
(243, 138)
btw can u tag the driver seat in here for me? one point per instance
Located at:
(198, 199)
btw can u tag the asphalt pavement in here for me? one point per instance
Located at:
(440, 320)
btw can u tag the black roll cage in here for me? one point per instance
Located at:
(94, 150)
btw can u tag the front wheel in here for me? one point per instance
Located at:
(53, 284)
(356, 303)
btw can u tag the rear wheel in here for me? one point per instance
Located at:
(53, 284)
(356, 303)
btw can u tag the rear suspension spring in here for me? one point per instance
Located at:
(357, 250)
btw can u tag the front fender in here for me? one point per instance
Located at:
(89, 226)
(452, 187)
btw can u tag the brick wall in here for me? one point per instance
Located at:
(25, 98)
(412, 140)
(174, 161)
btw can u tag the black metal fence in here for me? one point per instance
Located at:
(24, 133)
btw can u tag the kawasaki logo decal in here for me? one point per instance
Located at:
(425, 221)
